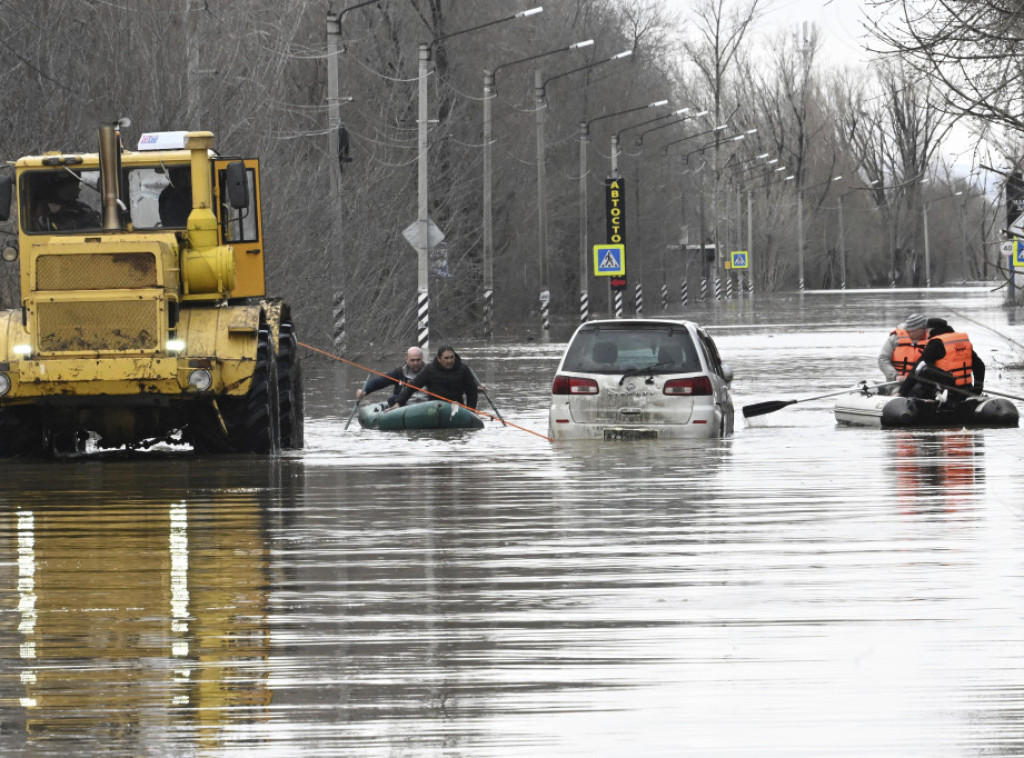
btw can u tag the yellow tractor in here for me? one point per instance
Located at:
(144, 316)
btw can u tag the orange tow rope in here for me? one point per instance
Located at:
(399, 381)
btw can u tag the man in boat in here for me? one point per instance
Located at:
(903, 347)
(446, 376)
(948, 360)
(393, 379)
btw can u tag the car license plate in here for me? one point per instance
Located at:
(631, 434)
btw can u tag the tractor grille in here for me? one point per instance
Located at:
(111, 325)
(96, 271)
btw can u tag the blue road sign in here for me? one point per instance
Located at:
(609, 260)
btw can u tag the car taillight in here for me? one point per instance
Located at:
(698, 385)
(571, 385)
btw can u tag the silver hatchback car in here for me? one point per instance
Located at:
(640, 379)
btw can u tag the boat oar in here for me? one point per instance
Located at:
(491, 402)
(770, 406)
(356, 408)
(974, 395)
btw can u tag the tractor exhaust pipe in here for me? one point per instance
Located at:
(110, 176)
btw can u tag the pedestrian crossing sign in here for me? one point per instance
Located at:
(609, 260)
(739, 259)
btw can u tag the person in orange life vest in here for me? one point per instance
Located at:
(902, 348)
(948, 359)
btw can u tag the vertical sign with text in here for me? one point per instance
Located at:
(615, 222)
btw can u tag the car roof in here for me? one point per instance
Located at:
(624, 323)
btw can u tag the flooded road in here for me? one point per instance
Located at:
(797, 589)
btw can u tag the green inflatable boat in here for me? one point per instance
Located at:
(430, 414)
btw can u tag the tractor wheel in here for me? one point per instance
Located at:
(289, 389)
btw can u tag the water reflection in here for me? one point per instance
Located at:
(937, 471)
(140, 603)
(796, 589)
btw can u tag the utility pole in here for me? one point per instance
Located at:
(333, 127)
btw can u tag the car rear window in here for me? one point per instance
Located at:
(662, 350)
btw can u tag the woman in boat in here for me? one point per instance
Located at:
(446, 376)
(948, 360)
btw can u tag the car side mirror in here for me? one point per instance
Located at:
(237, 185)
(6, 187)
(727, 374)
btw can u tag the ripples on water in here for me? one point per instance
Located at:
(796, 589)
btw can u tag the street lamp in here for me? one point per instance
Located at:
(616, 138)
(667, 145)
(488, 220)
(584, 138)
(710, 143)
(640, 137)
(333, 146)
(540, 96)
(422, 220)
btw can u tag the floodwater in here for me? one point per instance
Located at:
(798, 589)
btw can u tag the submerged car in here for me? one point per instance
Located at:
(640, 379)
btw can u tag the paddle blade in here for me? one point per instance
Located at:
(769, 406)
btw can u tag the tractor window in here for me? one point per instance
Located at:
(160, 196)
(240, 225)
(59, 201)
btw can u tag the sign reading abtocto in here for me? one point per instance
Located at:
(615, 221)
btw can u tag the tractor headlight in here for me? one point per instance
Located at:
(175, 346)
(5, 384)
(25, 351)
(200, 380)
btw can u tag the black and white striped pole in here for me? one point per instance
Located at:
(684, 294)
(664, 296)
(639, 301)
(617, 299)
(339, 323)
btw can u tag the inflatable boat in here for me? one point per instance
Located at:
(867, 408)
(430, 414)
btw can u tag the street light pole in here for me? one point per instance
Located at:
(584, 138)
(540, 95)
(334, 150)
(800, 224)
(488, 216)
(423, 220)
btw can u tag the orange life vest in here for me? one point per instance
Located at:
(958, 358)
(907, 353)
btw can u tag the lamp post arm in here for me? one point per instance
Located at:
(684, 119)
(574, 46)
(617, 56)
(503, 19)
(656, 104)
(667, 145)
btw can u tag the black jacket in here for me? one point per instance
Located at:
(456, 383)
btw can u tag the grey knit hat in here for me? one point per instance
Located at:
(915, 321)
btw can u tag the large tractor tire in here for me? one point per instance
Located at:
(251, 420)
(289, 389)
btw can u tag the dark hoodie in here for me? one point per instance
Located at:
(456, 383)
